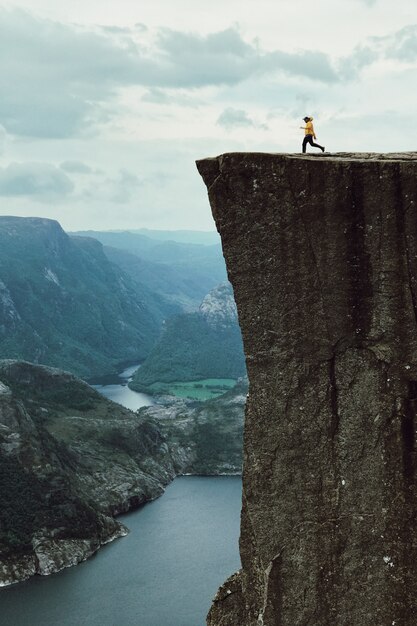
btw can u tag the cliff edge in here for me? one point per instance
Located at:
(322, 255)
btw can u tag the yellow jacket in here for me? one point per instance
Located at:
(309, 128)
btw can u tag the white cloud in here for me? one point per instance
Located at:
(41, 181)
(76, 167)
(3, 136)
(119, 189)
(56, 77)
(232, 118)
(105, 92)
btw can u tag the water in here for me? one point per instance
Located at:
(164, 573)
(120, 392)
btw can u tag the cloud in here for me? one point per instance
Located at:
(170, 97)
(156, 96)
(59, 80)
(3, 136)
(314, 65)
(214, 59)
(124, 186)
(400, 46)
(119, 190)
(116, 30)
(76, 167)
(224, 58)
(236, 118)
(51, 76)
(41, 181)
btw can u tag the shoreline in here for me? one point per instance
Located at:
(31, 564)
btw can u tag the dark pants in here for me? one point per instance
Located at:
(309, 139)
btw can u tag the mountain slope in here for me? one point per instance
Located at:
(178, 291)
(196, 346)
(69, 461)
(63, 303)
(196, 267)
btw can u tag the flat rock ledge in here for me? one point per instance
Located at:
(321, 251)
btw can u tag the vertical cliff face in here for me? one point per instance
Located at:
(322, 255)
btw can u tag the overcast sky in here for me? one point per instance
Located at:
(105, 105)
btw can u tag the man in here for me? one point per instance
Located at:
(309, 134)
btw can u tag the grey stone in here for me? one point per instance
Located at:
(322, 255)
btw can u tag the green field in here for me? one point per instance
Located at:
(196, 389)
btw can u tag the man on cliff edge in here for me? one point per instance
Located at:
(309, 134)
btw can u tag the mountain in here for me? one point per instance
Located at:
(193, 269)
(63, 303)
(69, 461)
(201, 237)
(206, 344)
(206, 436)
(182, 290)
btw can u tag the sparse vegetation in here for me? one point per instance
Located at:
(201, 390)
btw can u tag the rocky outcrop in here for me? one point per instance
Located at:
(218, 308)
(204, 437)
(322, 255)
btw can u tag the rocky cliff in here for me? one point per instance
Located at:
(322, 255)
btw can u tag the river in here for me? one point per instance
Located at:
(165, 572)
(121, 393)
(180, 549)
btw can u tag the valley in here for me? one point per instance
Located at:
(157, 339)
(195, 390)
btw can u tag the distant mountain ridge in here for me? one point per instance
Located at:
(183, 290)
(63, 303)
(189, 269)
(202, 237)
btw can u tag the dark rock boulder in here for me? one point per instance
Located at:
(322, 255)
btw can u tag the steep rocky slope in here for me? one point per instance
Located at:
(62, 302)
(69, 461)
(322, 255)
(205, 344)
(206, 436)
